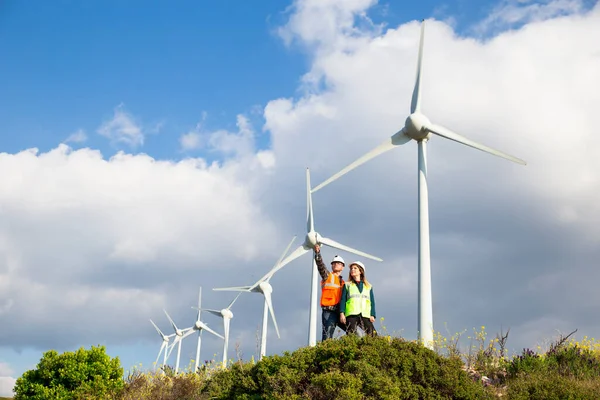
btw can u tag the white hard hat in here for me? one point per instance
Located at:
(338, 259)
(360, 265)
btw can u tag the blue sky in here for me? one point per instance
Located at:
(67, 64)
(128, 237)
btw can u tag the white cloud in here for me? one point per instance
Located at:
(508, 13)
(122, 128)
(191, 140)
(7, 382)
(87, 241)
(77, 137)
(224, 142)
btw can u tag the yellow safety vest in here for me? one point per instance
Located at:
(357, 302)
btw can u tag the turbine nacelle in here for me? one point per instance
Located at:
(416, 125)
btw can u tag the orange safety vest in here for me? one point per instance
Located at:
(331, 290)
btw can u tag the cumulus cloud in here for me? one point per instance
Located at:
(228, 144)
(122, 128)
(77, 137)
(510, 13)
(7, 382)
(82, 236)
(91, 247)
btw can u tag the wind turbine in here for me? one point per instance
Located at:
(179, 334)
(227, 315)
(419, 128)
(264, 287)
(199, 326)
(164, 346)
(313, 238)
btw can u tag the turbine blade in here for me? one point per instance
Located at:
(415, 104)
(170, 348)
(278, 265)
(170, 320)
(206, 328)
(270, 305)
(158, 330)
(398, 139)
(214, 312)
(339, 246)
(188, 333)
(234, 289)
(310, 222)
(448, 134)
(231, 304)
(162, 347)
(295, 254)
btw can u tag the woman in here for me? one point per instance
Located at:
(357, 306)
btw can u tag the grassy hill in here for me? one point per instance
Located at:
(384, 367)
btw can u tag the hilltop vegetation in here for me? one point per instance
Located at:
(350, 367)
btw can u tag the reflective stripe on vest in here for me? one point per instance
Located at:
(332, 290)
(357, 302)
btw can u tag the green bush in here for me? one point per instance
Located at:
(552, 386)
(72, 375)
(349, 368)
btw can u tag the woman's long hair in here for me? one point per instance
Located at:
(363, 277)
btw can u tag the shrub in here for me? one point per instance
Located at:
(72, 375)
(349, 368)
(552, 386)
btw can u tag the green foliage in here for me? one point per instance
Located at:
(569, 362)
(160, 386)
(349, 368)
(71, 375)
(552, 386)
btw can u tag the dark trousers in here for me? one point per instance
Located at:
(330, 319)
(354, 321)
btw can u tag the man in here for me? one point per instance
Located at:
(331, 293)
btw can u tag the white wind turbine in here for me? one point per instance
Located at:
(264, 287)
(198, 326)
(179, 333)
(164, 346)
(227, 315)
(419, 128)
(313, 238)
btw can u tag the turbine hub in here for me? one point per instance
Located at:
(312, 238)
(266, 287)
(416, 126)
(227, 313)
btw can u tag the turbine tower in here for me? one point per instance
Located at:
(419, 128)
(264, 287)
(164, 346)
(227, 315)
(313, 238)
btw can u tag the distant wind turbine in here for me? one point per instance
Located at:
(179, 333)
(419, 128)
(164, 347)
(264, 287)
(227, 315)
(199, 326)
